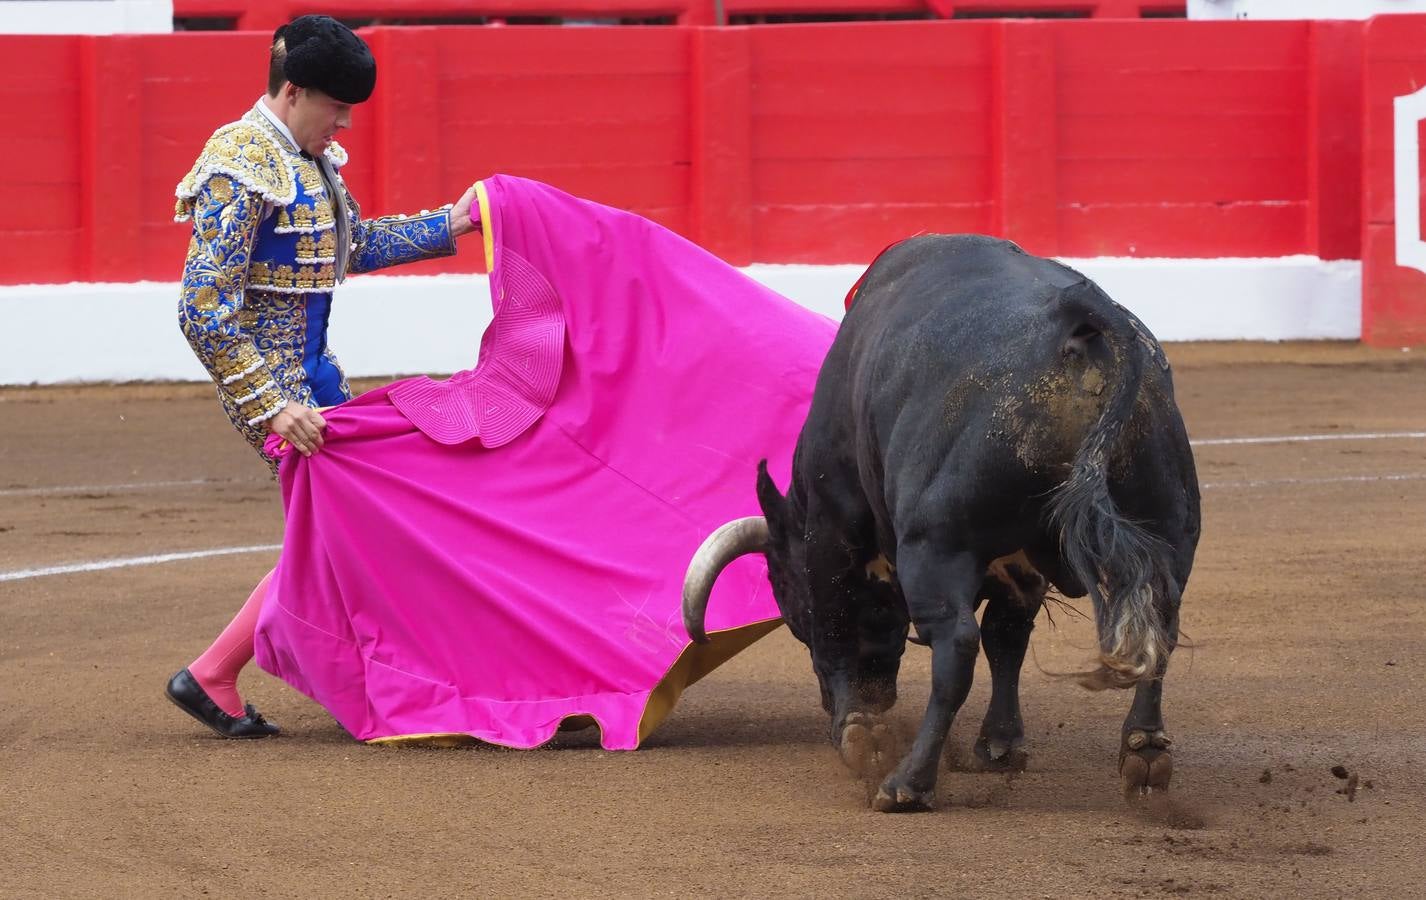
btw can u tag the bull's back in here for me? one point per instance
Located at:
(951, 288)
(965, 336)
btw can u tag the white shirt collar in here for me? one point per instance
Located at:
(262, 107)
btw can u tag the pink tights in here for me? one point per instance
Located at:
(217, 669)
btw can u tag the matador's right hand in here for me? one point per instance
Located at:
(301, 426)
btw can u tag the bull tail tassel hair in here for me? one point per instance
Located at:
(1123, 566)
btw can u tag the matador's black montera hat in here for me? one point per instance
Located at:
(326, 55)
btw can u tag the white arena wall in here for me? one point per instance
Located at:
(388, 325)
(86, 16)
(1300, 9)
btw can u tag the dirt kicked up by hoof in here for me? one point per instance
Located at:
(996, 755)
(1168, 811)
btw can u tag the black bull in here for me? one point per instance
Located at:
(985, 422)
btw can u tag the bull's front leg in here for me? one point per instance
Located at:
(834, 653)
(866, 744)
(940, 588)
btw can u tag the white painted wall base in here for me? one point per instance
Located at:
(86, 16)
(1300, 9)
(385, 325)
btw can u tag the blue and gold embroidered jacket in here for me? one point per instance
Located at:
(274, 231)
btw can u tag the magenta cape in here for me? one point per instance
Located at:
(494, 554)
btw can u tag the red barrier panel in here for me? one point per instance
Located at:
(266, 15)
(42, 157)
(809, 143)
(862, 134)
(1099, 9)
(1393, 284)
(602, 114)
(1165, 141)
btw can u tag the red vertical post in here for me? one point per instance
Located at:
(1334, 202)
(720, 142)
(1393, 295)
(407, 121)
(111, 158)
(698, 12)
(1024, 126)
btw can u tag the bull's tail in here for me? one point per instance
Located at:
(1122, 565)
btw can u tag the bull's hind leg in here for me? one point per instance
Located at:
(1005, 634)
(940, 589)
(1145, 754)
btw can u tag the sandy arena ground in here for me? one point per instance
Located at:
(1307, 606)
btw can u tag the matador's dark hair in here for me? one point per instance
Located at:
(275, 76)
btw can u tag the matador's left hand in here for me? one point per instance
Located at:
(461, 222)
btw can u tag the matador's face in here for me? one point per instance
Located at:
(315, 118)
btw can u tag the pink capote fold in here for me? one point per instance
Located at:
(498, 552)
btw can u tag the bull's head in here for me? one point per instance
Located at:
(767, 534)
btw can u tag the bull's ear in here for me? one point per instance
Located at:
(770, 498)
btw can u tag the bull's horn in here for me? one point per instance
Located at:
(737, 538)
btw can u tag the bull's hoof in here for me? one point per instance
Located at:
(896, 796)
(1145, 763)
(867, 746)
(993, 754)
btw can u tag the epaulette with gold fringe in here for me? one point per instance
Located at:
(246, 155)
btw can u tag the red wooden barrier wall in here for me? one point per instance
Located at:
(266, 15)
(816, 143)
(1393, 296)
